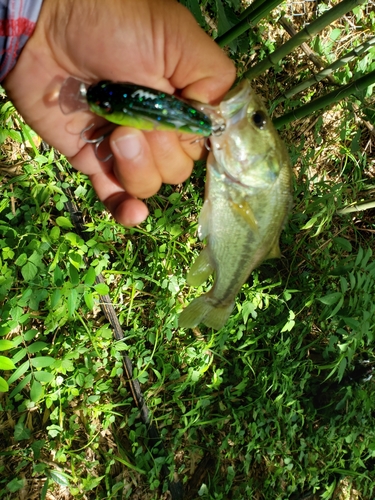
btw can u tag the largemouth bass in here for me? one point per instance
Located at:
(247, 201)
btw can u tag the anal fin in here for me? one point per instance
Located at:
(275, 252)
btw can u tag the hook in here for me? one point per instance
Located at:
(97, 141)
(207, 143)
(218, 128)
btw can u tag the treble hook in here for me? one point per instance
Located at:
(97, 141)
(217, 129)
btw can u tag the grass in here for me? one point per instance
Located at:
(279, 404)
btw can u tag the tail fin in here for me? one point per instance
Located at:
(202, 311)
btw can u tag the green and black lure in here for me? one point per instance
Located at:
(134, 106)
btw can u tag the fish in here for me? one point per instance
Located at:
(248, 197)
(135, 106)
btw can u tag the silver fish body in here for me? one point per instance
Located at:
(247, 201)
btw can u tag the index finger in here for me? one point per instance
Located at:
(201, 68)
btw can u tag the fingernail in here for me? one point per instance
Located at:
(129, 146)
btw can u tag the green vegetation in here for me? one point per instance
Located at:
(280, 403)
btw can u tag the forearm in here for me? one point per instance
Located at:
(17, 23)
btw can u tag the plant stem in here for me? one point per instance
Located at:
(252, 17)
(254, 6)
(308, 32)
(356, 208)
(326, 100)
(330, 69)
(318, 61)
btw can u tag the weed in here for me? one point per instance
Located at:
(278, 404)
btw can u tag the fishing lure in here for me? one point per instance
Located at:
(136, 106)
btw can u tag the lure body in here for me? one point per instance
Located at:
(145, 108)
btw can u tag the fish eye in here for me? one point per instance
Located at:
(259, 119)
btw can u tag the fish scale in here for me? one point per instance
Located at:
(247, 201)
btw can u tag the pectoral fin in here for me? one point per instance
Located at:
(201, 269)
(204, 220)
(245, 211)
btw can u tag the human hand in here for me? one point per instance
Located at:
(157, 44)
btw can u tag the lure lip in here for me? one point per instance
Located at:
(72, 96)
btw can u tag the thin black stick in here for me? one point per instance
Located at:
(326, 100)
(251, 19)
(308, 32)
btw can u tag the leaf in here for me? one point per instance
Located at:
(90, 276)
(55, 233)
(4, 387)
(194, 7)
(37, 346)
(55, 297)
(335, 33)
(42, 361)
(74, 276)
(359, 257)
(226, 19)
(80, 379)
(343, 243)
(342, 367)
(36, 391)
(91, 482)
(30, 334)
(57, 276)
(37, 447)
(64, 222)
(120, 346)
(44, 491)
(15, 135)
(289, 325)
(72, 301)
(223, 24)
(19, 372)
(331, 298)
(21, 432)
(36, 258)
(5, 329)
(101, 288)
(6, 363)
(75, 240)
(76, 259)
(15, 485)
(21, 260)
(21, 385)
(44, 376)
(89, 300)
(29, 271)
(4, 134)
(19, 355)
(338, 306)
(59, 477)
(68, 365)
(5, 345)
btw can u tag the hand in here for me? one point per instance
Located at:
(153, 43)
